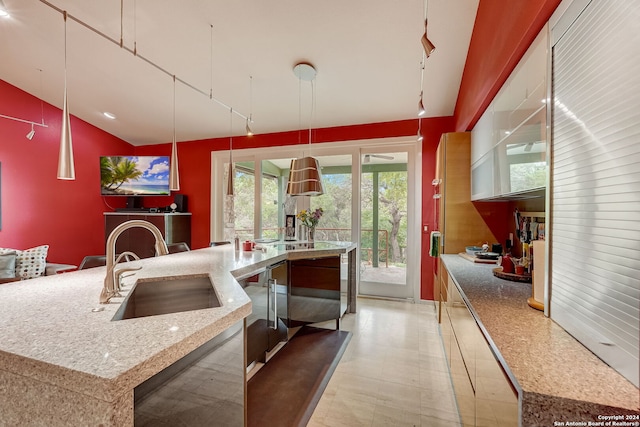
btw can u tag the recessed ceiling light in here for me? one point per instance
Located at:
(3, 10)
(109, 115)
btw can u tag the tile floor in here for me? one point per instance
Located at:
(393, 372)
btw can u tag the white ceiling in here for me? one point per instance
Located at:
(367, 55)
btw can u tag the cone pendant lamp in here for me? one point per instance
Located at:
(230, 191)
(66, 169)
(174, 177)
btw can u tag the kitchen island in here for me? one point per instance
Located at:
(63, 361)
(556, 379)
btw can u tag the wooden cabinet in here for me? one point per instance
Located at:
(175, 228)
(459, 222)
(484, 393)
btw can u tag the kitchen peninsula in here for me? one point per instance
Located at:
(552, 377)
(64, 361)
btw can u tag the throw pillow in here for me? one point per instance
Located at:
(31, 262)
(8, 265)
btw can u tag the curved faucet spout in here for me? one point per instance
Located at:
(117, 272)
(110, 288)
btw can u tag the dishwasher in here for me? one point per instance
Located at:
(266, 327)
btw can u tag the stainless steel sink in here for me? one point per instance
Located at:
(151, 297)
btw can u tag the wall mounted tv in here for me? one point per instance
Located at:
(134, 175)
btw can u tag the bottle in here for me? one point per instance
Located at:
(236, 243)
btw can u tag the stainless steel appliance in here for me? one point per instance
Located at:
(266, 328)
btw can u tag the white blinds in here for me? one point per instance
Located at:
(595, 234)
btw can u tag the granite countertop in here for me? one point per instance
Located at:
(540, 355)
(50, 332)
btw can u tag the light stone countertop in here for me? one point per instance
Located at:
(543, 358)
(48, 331)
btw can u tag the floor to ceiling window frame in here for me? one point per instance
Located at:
(356, 149)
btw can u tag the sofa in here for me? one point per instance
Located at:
(17, 264)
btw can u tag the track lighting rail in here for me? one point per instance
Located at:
(118, 43)
(24, 121)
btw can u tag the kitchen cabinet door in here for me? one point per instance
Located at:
(509, 140)
(485, 394)
(315, 288)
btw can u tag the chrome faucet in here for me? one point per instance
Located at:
(112, 278)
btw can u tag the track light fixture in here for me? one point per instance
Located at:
(31, 133)
(421, 110)
(426, 43)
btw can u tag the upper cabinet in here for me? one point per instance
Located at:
(509, 142)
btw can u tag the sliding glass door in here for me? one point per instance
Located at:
(383, 209)
(371, 197)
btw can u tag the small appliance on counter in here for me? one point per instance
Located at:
(480, 254)
(537, 290)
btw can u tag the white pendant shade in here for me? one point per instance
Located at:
(66, 169)
(305, 178)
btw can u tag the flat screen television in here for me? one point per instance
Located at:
(134, 175)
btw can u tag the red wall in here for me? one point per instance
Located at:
(432, 130)
(195, 169)
(501, 35)
(37, 208)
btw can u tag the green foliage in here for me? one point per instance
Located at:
(115, 171)
(336, 205)
(244, 189)
(525, 176)
(335, 223)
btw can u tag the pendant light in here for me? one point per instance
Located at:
(305, 178)
(230, 175)
(66, 169)
(249, 119)
(174, 176)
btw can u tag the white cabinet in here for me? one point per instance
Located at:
(508, 143)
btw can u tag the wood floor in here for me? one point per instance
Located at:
(393, 373)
